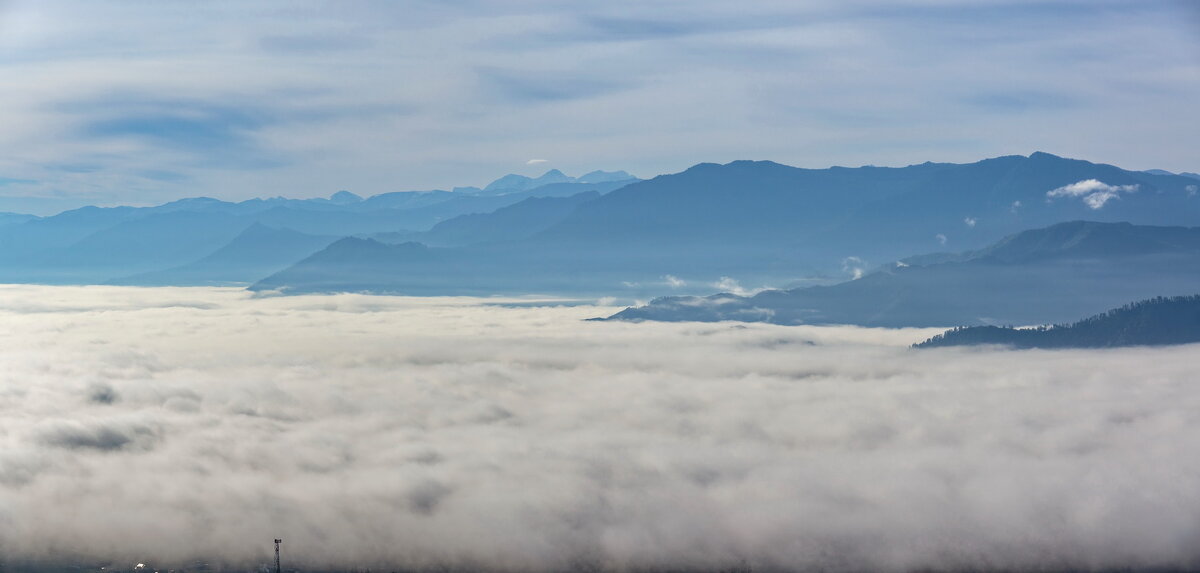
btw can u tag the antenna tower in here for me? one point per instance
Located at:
(277, 569)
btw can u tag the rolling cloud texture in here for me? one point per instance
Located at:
(170, 424)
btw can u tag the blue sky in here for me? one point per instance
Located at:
(140, 102)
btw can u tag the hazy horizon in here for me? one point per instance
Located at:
(537, 170)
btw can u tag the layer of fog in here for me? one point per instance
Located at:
(170, 424)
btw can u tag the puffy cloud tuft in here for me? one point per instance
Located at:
(674, 281)
(1093, 192)
(853, 266)
(731, 285)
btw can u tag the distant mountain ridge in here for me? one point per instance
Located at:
(1036, 277)
(513, 182)
(123, 244)
(755, 222)
(517, 221)
(1165, 172)
(256, 252)
(1074, 239)
(1152, 322)
(15, 218)
(764, 223)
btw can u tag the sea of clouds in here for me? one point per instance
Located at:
(164, 425)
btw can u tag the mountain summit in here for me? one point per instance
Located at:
(513, 182)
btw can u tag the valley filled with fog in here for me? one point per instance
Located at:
(170, 424)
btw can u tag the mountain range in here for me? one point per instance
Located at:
(1041, 276)
(510, 183)
(737, 227)
(762, 223)
(129, 244)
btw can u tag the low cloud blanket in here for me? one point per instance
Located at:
(167, 425)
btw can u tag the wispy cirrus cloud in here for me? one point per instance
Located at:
(209, 134)
(377, 97)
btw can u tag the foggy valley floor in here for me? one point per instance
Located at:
(166, 425)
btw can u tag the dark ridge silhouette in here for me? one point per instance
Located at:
(1153, 322)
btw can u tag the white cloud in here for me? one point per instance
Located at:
(156, 425)
(969, 221)
(731, 285)
(1015, 206)
(728, 284)
(536, 161)
(1087, 186)
(674, 281)
(854, 266)
(940, 238)
(1094, 193)
(1098, 199)
(1191, 190)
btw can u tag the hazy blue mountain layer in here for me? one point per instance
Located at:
(1043, 276)
(15, 218)
(367, 265)
(510, 183)
(256, 252)
(121, 244)
(124, 244)
(1152, 322)
(763, 223)
(1165, 172)
(517, 221)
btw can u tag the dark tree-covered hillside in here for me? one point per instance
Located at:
(1152, 322)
